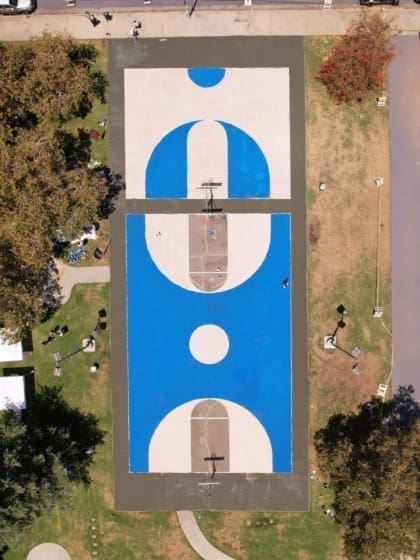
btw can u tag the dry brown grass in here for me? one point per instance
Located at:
(346, 148)
(227, 536)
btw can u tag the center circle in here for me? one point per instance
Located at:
(209, 344)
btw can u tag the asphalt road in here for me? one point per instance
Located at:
(404, 87)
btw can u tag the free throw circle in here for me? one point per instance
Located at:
(209, 344)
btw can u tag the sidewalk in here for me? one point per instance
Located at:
(216, 22)
(196, 538)
(69, 276)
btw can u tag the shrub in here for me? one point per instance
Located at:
(357, 64)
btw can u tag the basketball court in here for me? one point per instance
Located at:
(208, 275)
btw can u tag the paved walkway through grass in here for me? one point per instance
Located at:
(196, 538)
(69, 276)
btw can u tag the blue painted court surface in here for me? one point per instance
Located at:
(163, 374)
(248, 173)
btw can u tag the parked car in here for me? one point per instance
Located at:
(16, 7)
(378, 2)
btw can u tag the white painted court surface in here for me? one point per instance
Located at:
(249, 446)
(248, 240)
(158, 100)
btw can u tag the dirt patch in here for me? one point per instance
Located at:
(225, 531)
(229, 536)
(174, 545)
(77, 550)
(102, 481)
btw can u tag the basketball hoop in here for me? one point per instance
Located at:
(209, 186)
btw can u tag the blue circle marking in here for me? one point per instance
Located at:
(206, 77)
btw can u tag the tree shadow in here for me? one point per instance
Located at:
(21, 118)
(114, 184)
(77, 149)
(85, 106)
(405, 409)
(401, 412)
(84, 54)
(99, 85)
(50, 293)
(57, 430)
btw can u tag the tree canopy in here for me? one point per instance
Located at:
(45, 182)
(357, 64)
(44, 79)
(372, 461)
(41, 456)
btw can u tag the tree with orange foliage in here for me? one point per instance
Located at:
(357, 64)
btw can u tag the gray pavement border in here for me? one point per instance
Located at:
(169, 492)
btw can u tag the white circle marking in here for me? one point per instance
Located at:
(209, 344)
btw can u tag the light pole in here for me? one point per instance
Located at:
(89, 343)
(330, 341)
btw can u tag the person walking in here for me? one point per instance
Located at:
(93, 19)
(134, 33)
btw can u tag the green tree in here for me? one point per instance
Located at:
(45, 79)
(41, 457)
(45, 182)
(40, 191)
(372, 461)
(356, 66)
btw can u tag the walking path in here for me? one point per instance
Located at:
(404, 87)
(69, 276)
(196, 538)
(205, 22)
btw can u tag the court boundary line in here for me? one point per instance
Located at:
(252, 492)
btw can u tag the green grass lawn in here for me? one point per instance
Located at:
(90, 509)
(294, 536)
